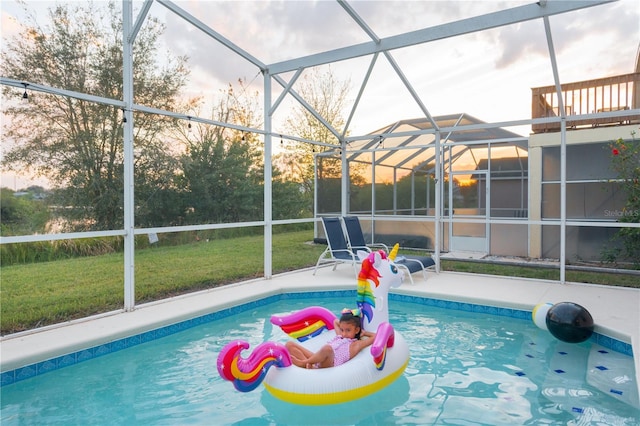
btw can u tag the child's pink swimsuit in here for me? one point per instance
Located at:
(340, 348)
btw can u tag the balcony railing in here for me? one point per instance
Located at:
(588, 98)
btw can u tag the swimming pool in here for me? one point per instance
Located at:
(472, 365)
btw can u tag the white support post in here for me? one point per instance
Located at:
(315, 195)
(373, 185)
(395, 191)
(413, 193)
(268, 172)
(563, 151)
(563, 199)
(439, 183)
(344, 197)
(487, 202)
(129, 211)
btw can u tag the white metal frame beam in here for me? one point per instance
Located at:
(438, 32)
(359, 96)
(210, 32)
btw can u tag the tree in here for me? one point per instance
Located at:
(327, 95)
(221, 169)
(78, 144)
(22, 215)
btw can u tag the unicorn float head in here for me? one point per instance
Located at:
(377, 276)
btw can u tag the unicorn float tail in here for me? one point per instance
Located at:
(247, 374)
(385, 338)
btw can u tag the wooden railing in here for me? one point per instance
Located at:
(619, 93)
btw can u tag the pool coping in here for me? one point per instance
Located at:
(36, 352)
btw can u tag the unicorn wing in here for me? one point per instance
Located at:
(305, 323)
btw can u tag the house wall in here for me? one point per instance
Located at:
(544, 241)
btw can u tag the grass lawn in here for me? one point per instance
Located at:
(39, 294)
(615, 279)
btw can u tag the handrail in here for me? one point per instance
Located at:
(610, 94)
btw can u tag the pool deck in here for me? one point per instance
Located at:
(616, 310)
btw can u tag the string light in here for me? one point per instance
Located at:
(281, 141)
(124, 117)
(25, 95)
(189, 125)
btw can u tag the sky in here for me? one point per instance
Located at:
(488, 74)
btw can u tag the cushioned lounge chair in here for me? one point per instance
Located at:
(355, 236)
(410, 263)
(337, 250)
(415, 264)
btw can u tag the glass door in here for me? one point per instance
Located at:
(468, 215)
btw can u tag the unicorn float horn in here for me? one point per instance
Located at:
(394, 251)
(247, 374)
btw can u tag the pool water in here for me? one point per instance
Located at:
(465, 369)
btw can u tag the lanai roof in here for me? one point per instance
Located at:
(409, 144)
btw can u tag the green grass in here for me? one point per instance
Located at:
(614, 279)
(39, 294)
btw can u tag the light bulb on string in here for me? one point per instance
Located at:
(25, 95)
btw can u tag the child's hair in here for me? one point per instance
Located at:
(352, 316)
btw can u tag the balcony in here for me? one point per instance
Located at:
(585, 101)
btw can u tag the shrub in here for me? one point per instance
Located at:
(625, 161)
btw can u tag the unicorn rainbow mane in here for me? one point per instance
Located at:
(369, 280)
(366, 299)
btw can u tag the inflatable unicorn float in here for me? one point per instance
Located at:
(366, 373)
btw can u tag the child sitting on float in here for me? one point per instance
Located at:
(345, 345)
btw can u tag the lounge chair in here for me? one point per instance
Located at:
(337, 250)
(414, 264)
(355, 236)
(410, 263)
